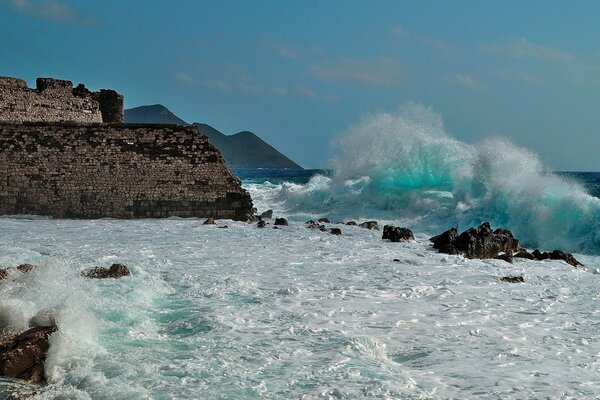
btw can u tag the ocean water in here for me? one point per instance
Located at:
(293, 313)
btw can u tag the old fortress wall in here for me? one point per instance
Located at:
(60, 157)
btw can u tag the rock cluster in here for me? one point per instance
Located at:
(22, 356)
(397, 234)
(115, 271)
(553, 255)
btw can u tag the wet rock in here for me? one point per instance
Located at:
(512, 279)
(115, 271)
(556, 255)
(22, 356)
(223, 227)
(261, 224)
(335, 231)
(267, 214)
(396, 260)
(370, 225)
(352, 223)
(505, 257)
(480, 242)
(281, 221)
(209, 221)
(3, 273)
(315, 225)
(523, 253)
(25, 267)
(397, 234)
(324, 220)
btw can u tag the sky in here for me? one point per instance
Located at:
(299, 73)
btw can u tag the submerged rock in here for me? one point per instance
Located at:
(480, 242)
(315, 225)
(397, 234)
(115, 271)
(209, 221)
(505, 257)
(512, 279)
(22, 356)
(25, 267)
(352, 223)
(280, 221)
(324, 220)
(261, 224)
(370, 225)
(267, 214)
(335, 231)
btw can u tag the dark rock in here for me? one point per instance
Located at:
(209, 221)
(324, 220)
(223, 227)
(480, 242)
(538, 255)
(396, 260)
(22, 356)
(523, 253)
(566, 257)
(353, 223)
(275, 227)
(315, 225)
(25, 267)
(281, 221)
(397, 234)
(370, 225)
(3, 273)
(505, 257)
(115, 271)
(444, 242)
(267, 214)
(335, 231)
(261, 224)
(512, 279)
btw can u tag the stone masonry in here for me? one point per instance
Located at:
(56, 100)
(67, 162)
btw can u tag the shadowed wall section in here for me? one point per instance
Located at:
(83, 170)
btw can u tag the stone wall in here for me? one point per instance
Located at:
(71, 170)
(56, 100)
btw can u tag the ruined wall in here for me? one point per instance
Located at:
(70, 170)
(56, 100)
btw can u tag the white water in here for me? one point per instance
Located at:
(294, 313)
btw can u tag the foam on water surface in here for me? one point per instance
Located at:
(263, 313)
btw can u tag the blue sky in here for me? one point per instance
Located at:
(298, 73)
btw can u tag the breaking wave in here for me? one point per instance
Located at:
(404, 166)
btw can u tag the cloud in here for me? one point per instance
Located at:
(519, 77)
(466, 81)
(51, 10)
(437, 44)
(524, 49)
(382, 72)
(239, 82)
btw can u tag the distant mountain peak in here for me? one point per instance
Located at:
(241, 150)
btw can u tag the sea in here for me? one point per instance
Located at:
(293, 313)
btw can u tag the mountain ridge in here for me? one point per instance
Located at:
(243, 149)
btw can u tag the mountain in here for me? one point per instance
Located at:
(156, 114)
(242, 150)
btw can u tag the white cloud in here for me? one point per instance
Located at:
(466, 81)
(381, 72)
(524, 49)
(519, 77)
(52, 10)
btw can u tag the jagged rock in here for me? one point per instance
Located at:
(209, 221)
(267, 214)
(3, 273)
(281, 221)
(22, 356)
(523, 253)
(397, 234)
(480, 242)
(261, 224)
(335, 231)
(324, 220)
(505, 257)
(512, 279)
(352, 223)
(315, 225)
(25, 267)
(370, 225)
(115, 271)
(556, 255)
